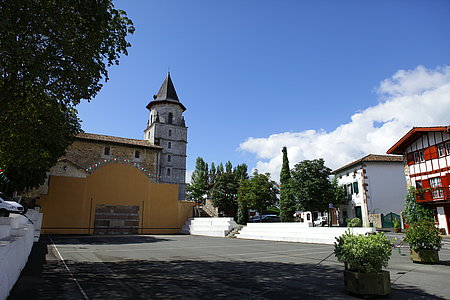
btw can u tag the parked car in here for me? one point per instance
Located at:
(8, 205)
(266, 218)
(321, 221)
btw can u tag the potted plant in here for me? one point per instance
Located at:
(424, 241)
(396, 224)
(364, 257)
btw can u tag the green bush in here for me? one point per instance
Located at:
(423, 235)
(355, 222)
(365, 254)
(396, 223)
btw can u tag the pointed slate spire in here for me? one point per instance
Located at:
(167, 90)
(166, 93)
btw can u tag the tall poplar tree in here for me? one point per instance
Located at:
(287, 201)
(212, 174)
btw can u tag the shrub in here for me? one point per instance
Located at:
(364, 254)
(355, 222)
(414, 211)
(396, 223)
(423, 235)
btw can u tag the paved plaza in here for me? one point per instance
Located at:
(196, 267)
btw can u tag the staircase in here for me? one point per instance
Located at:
(220, 227)
(235, 231)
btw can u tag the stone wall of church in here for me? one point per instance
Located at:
(86, 153)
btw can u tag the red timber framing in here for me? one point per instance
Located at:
(426, 154)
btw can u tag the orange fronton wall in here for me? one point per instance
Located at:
(69, 206)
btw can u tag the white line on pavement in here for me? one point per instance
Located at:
(67, 268)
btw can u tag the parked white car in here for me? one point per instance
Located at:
(321, 221)
(8, 205)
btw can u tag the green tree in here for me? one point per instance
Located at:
(241, 171)
(287, 200)
(53, 54)
(220, 170)
(339, 195)
(228, 167)
(415, 212)
(198, 187)
(311, 185)
(258, 192)
(242, 213)
(224, 193)
(212, 174)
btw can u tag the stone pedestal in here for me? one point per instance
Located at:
(368, 284)
(425, 256)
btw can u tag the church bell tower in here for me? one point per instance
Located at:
(166, 128)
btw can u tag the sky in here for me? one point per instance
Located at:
(327, 79)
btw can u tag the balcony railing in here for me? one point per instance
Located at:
(433, 194)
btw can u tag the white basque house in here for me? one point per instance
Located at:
(426, 154)
(375, 184)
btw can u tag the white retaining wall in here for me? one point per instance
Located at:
(17, 235)
(296, 232)
(209, 226)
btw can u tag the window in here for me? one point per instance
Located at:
(419, 157)
(169, 145)
(170, 132)
(107, 151)
(168, 172)
(349, 190)
(435, 183)
(447, 148)
(157, 141)
(137, 154)
(355, 187)
(170, 119)
(441, 150)
(169, 158)
(419, 185)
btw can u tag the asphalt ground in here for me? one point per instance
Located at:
(197, 267)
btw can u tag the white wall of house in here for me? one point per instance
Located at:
(386, 186)
(381, 189)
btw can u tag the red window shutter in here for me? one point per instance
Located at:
(444, 180)
(433, 152)
(410, 158)
(425, 184)
(427, 153)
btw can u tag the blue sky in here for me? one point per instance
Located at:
(256, 75)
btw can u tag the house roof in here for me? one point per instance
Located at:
(413, 135)
(166, 94)
(371, 158)
(116, 140)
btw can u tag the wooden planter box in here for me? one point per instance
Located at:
(368, 284)
(425, 256)
(397, 230)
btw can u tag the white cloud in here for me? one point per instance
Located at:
(419, 97)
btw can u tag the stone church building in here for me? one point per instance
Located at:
(113, 185)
